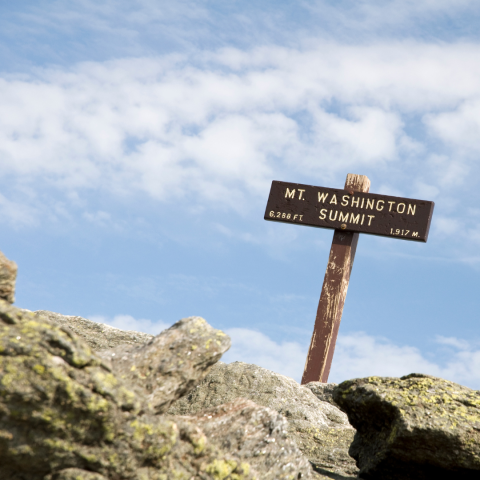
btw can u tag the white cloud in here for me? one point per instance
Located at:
(459, 127)
(362, 355)
(127, 322)
(358, 355)
(215, 128)
(141, 23)
(17, 214)
(251, 346)
(453, 342)
(362, 21)
(100, 218)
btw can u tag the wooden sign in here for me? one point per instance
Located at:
(349, 212)
(361, 212)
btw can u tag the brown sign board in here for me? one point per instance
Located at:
(405, 218)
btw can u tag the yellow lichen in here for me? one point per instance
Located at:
(40, 369)
(221, 469)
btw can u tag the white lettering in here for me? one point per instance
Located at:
(353, 202)
(290, 194)
(334, 199)
(330, 215)
(410, 208)
(300, 194)
(363, 218)
(323, 214)
(343, 217)
(370, 205)
(370, 219)
(295, 216)
(399, 206)
(391, 203)
(322, 196)
(345, 199)
(414, 234)
(354, 219)
(378, 204)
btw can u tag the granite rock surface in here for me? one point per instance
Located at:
(413, 427)
(321, 430)
(97, 335)
(170, 364)
(8, 277)
(323, 391)
(258, 435)
(66, 413)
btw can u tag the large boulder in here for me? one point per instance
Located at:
(323, 391)
(170, 364)
(258, 436)
(321, 430)
(415, 427)
(65, 413)
(97, 335)
(8, 276)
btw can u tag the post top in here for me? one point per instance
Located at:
(357, 183)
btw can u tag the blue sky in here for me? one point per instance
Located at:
(138, 141)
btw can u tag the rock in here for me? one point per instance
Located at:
(415, 427)
(64, 415)
(323, 391)
(170, 364)
(75, 474)
(321, 430)
(160, 368)
(258, 435)
(97, 335)
(8, 276)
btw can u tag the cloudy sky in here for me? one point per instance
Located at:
(139, 139)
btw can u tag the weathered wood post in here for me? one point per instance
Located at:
(332, 298)
(349, 212)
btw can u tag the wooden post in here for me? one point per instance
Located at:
(394, 217)
(332, 298)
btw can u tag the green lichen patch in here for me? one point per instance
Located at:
(154, 438)
(222, 469)
(75, 474)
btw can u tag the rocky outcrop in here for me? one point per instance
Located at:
(323, 391)
(8, 276)
(97, 335)
(321, 430)
(414, 427)
(258, 436)
(171, 364)
(66, 413)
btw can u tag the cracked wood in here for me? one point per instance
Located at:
(332, 298)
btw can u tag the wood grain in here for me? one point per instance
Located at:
(332, 298)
